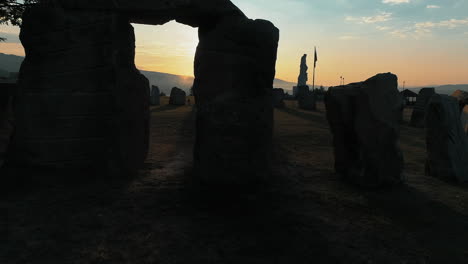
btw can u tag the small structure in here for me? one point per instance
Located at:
(364, 121)
(409, 97)
(278, 98)
(178, 97)
(419, 110)
(154, 97)
(464, 119)
(462, 98)
(447, 144)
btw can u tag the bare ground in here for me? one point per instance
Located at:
(305, 214)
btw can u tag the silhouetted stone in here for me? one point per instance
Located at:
(302, 79)
(154, 98)
(81, 101)
(447, 144)
(363, 118)
(464, 119)
(234, 72)
(278, 98)
(305, 98)
(178, 97)
(462, 98)
(419, 110)
(6, 117)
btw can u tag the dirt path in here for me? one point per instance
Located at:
(304, 215)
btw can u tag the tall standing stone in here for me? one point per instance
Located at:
(364, 121)
(6, 117)
(234, 72)
(178, 97)
(447, 144)
(303, 77)
(81, 102)
(154, 97)
(419, 110)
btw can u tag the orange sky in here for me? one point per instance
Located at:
(423, 44)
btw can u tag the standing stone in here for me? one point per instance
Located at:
(464, 119)
(6, 117)
(302, 79)
(305, 98)
(419, 110)
(364, 121)
(178, 97)
(278, 98)
(462, 98)
(154, 97)
(447, 144)
(234, 72)
(81, 102)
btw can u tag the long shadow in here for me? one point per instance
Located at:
(304, 115)
(165, 108)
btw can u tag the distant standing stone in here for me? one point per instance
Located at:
(419, 110)
(447, 144)
(464, 119)
(305, 98)
(364, 121)
(155, 92)
(178, 97)
(302, 79)
(278, 98)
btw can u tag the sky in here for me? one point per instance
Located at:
(424, 42)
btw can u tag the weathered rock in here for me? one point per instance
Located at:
(364, 118)
(178, 97)
(278, 98)
(447, 144)
(305, 98)
(419, 110)
(234, 72)
(6, 118)
(154, 98)
(462, 98)
(303, 77)
(81, 102)
(464, 119)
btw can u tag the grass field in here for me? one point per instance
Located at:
(305, 214)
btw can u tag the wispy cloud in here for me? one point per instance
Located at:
(349, 37)
(381, 28)
(424, 29)
(395, 2)
(451, 23)
(382, 17)
(432, 6)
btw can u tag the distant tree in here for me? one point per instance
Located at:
(11, 12)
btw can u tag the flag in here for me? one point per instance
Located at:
(315, 57)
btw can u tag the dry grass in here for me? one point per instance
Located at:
(304, 215)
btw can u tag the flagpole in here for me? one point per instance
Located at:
(315, 64)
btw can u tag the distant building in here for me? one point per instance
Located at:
(409, 97)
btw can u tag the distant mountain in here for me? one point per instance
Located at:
(10, 63)
(444, 89)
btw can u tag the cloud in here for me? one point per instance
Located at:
(432, 6)
(424, 29)
(348, 37)
(395, 2)
(382, 17)
(451, 23)
(380, 28)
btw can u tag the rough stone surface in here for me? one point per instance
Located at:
(462, 98)
(178, 97)
(278, 98)
(81, 102)
(419, 110)
(6, 118)
(303, 77)
(464, 119)
(447, 144)
(363, 119)
(234, 72)
(154, 97)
